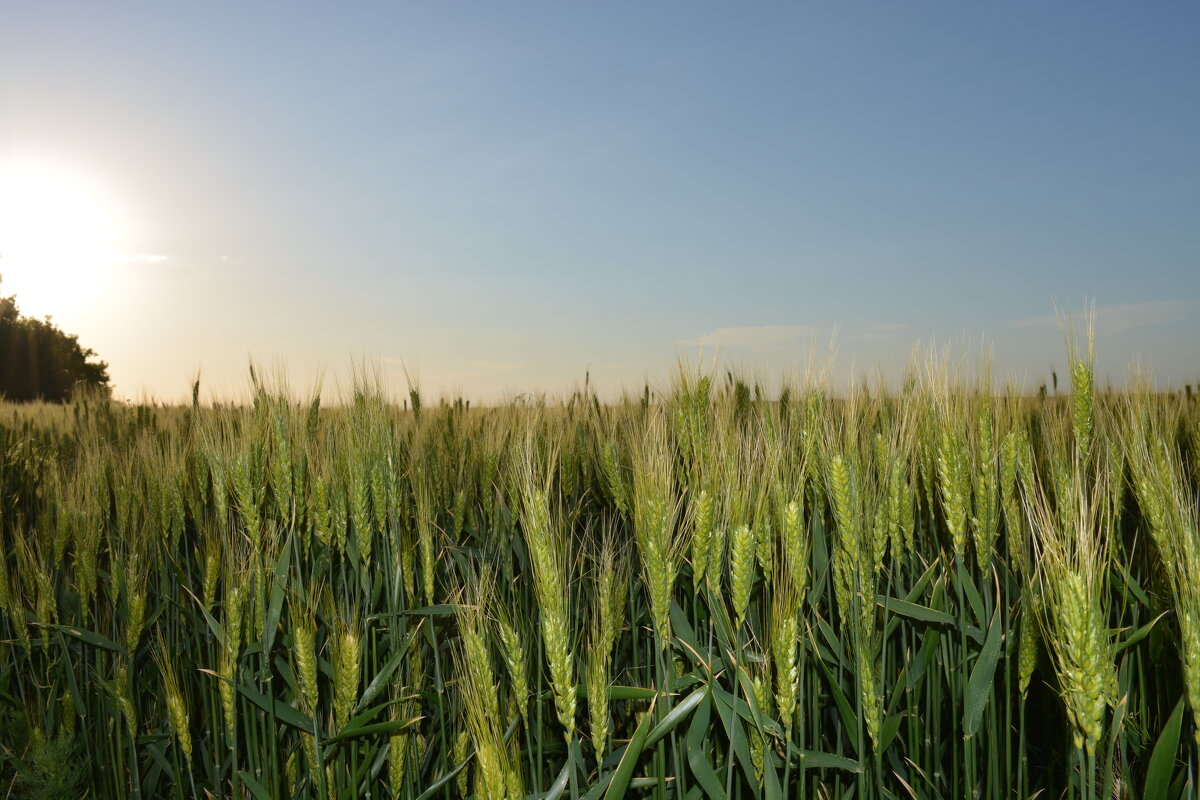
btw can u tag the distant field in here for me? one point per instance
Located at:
(948, 591)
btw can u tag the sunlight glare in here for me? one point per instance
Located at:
(59, 237)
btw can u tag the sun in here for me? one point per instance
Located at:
(59, 236)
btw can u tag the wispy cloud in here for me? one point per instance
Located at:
(471, 371)
(493, 367)
(1123, 317)
(754, 336)
(142, 258)
(879, 333)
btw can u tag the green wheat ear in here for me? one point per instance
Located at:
(347, 673)
(245, 600)
(741, 570)
(1082, 407)
(546, 543)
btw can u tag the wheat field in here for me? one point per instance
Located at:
(947, 590)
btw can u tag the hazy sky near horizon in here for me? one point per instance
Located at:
(502, 196)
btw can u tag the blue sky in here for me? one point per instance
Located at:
(500, 196)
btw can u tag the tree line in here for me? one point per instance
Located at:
(38, 361)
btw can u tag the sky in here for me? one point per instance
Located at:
(496, 198)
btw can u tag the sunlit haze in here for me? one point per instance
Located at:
(496, 198)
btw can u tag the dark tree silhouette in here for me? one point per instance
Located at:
(40, 362)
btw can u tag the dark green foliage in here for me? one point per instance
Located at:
(40, 362)
(47, 769)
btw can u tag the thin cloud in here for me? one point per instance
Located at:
(754, 336)
(142, 258)
(1123, 317)
(494, 367)
(472, 371)
(879, 333)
